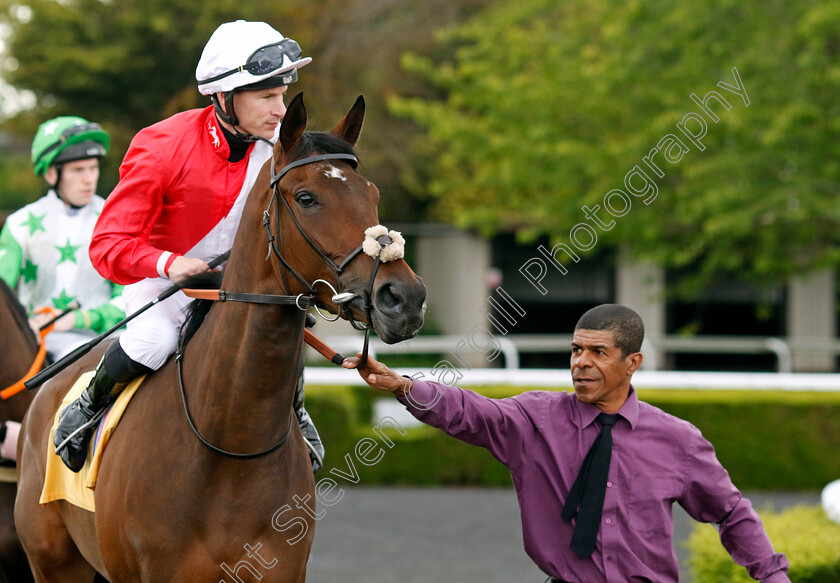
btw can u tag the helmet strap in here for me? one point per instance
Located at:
(54, 186)
(229, 108)
(247, 137)
(229, 117)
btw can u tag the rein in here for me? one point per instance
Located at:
(219, 295)
(203, 440)
(377, 240)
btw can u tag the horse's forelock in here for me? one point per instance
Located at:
(321, 143)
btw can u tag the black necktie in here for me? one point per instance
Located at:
(586, 498)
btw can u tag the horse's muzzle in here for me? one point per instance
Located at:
(399, 309)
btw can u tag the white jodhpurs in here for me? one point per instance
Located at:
(151, 338)
(59, 344)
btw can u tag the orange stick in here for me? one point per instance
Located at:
(36, 364)
(322, 347)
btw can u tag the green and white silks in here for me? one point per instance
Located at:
(44, 258)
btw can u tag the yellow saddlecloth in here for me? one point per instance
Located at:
(77, 488)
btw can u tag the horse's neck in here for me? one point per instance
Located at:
(17, 353)
(16, 335)
(14, 323)
(244, 364)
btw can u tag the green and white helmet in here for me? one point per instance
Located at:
(66, 139)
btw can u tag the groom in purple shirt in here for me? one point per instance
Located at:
(656, 459)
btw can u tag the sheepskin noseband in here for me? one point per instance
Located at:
(382, 243)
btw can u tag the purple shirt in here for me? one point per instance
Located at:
(657, 459)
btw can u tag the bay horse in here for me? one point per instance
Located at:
(170, 508)
(18, 347)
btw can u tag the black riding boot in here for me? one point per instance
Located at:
(310, 434)
(114, 371)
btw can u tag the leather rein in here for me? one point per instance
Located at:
(301, 301)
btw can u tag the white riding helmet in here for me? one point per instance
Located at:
(243, 53)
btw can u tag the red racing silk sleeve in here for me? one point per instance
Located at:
(119, 248)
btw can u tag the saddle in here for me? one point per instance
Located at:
(78, 488)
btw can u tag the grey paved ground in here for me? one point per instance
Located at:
(469, 535)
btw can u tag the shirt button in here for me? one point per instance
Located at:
(609, 557)
(609, 484)
(608, 521)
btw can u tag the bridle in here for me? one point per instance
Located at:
(342, 299)
(303, 301)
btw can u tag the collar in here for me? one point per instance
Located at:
(237, 145)
(586, 413)
(68, 208)
(212, 131)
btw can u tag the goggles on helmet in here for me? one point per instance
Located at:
(264, 60)
(69, 133)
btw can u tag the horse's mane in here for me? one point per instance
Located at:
(197, 310)
(18, 311)
(310, 143)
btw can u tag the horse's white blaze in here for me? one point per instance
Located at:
(333, 172)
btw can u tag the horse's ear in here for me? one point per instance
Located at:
(294, 122)
(350, 127)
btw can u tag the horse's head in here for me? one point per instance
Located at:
(321, 219)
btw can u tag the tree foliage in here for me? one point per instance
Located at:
(130, 63)
(548, 105)
(125, 65)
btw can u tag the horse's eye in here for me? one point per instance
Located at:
(305, 199)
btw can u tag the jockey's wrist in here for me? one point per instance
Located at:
(170, 260)
(81, 319)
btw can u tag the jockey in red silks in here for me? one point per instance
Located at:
(183, 185)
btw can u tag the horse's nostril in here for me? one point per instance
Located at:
(399, 310)
(387, 301)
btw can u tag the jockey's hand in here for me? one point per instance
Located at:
(185, 266)
(379, 376)
(63, 324)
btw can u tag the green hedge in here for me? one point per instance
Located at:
(810, 541)
(768, 440)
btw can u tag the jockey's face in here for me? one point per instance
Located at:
(78, 181)
(260, 111)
